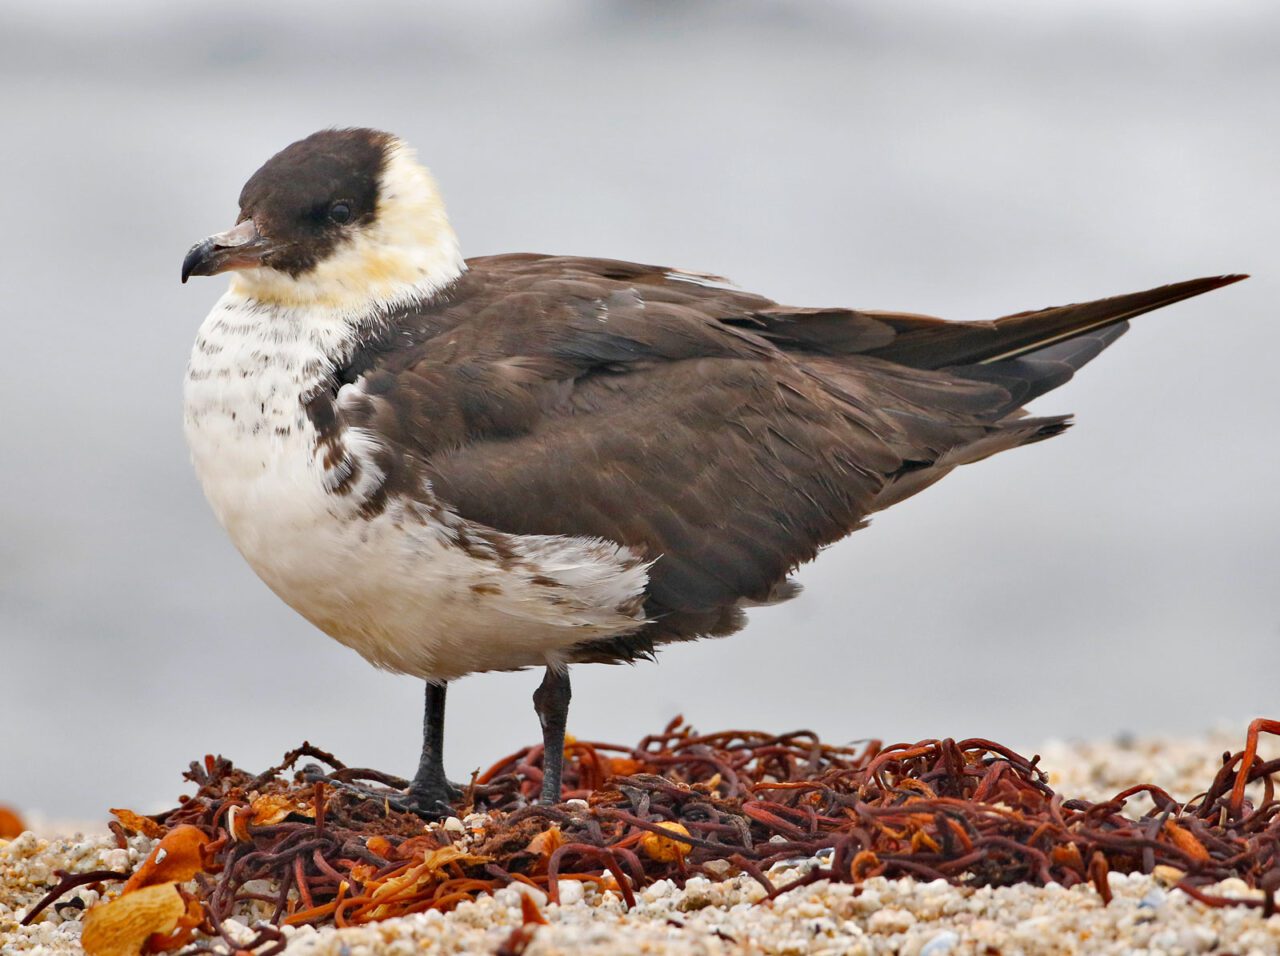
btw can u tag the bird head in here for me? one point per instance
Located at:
(346, 219)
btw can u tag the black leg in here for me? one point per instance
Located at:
(430, 787)
(551, 702)
(430, 794)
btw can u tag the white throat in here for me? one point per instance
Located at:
(408, 253)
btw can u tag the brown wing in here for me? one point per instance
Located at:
(584, 398)
(720, 434)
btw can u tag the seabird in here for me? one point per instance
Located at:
(461, 465)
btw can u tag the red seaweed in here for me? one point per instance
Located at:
(971, 812)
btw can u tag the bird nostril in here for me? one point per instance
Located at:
(237, 235)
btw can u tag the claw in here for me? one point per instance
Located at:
(434, 804)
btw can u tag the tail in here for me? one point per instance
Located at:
(1026, 355)
(1030, 353)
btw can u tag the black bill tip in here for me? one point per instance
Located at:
(195, 257)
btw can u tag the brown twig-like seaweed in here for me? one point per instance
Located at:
(972, 812)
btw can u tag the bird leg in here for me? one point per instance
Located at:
(430, 794)
(551, 702)
(430, 790)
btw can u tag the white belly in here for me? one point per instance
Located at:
(396, 587)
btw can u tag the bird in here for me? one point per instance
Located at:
(455, 466)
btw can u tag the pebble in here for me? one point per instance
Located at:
(571, 892)
(1154, 898)
(943, 942)
(524, 889)
(891, 921)
(724, 916)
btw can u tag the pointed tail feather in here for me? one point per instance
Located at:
(950, 344)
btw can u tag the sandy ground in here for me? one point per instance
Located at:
(888, 916)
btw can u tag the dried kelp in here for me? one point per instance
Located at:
(301, 844)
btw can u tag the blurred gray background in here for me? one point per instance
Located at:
(967, 159)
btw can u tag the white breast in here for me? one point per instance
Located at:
(397, 587)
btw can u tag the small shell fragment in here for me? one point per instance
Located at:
(1186, 841)
(136, 823)
(546, 842)
(664, 849)
(122, 926)
(1167, 875)
(175, 859)
(271, 808)
(237, 825)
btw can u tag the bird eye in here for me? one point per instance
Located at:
(340, 212)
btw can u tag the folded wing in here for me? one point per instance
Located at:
(723, 436)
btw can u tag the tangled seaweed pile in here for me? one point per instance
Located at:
(302, 848)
